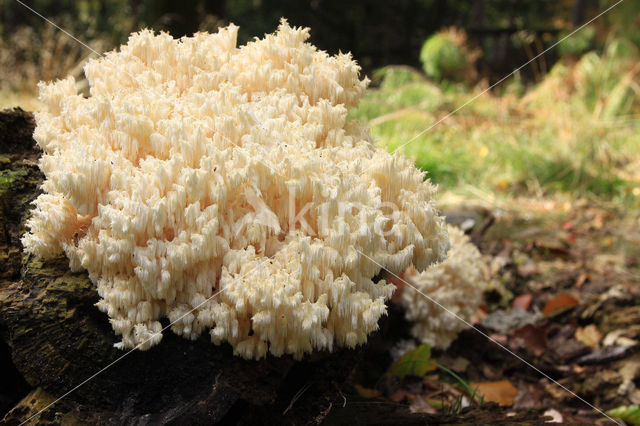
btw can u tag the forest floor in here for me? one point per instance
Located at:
(564, 296)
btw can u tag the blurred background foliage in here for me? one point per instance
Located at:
(565, 124)
(378, 33)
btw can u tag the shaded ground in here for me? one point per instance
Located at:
(565, 296)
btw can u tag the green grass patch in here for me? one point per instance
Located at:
(577, 132)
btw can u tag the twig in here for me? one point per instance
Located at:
(296, 397)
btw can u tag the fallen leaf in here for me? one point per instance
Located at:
(559, 304)
(568, 349)
(400, 395)
(499, 337)
(503, 322)
(480, 315)
(491, 372)
(612, 337)
(577, 369)
(416, 362)
(458, 364)
(629, 370)
(420, 405)
(556, 416)
(529, 396)
(551, 244)
(502, 185)
(589, 335)
(367, 392)
(530, 337)
(523, 301)
(608, 261)
(501, 392)
(617, 338)
(582, 278)
(528, 270)
(598, 222)
(399, 282)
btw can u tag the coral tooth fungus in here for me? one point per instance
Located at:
(197, 168)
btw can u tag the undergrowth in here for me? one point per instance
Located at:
(577, 132)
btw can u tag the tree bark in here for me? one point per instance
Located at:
(578, 12)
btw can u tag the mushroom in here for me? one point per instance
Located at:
(223, 188)
(456, 284)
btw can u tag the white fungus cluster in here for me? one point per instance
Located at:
(456, 283)
(222, 188)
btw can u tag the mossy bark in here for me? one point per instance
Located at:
(54, 341)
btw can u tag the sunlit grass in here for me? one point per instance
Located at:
(26, 100)
(577, 132)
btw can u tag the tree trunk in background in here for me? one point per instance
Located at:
(578, 12)
(136, 13)
(478, 20)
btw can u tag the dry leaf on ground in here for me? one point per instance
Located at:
(559, 304)
(501, 392)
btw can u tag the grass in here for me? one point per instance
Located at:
(418, 362)
(41, 53)
(575, 133)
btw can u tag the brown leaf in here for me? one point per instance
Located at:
(367, 392)
(420, 405)
(589, 335)
(529, 396)
(400, 395)
(479, 315)
(491, 372)
(399, 282)
(568, 349)
(457, 364)
(598, 221)
(551, 244)
(530, 337)
(501, 392)
(559, 304)
(523, 301)
(629, 370)
(499, 337)
(582, 278)
(528, 270)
